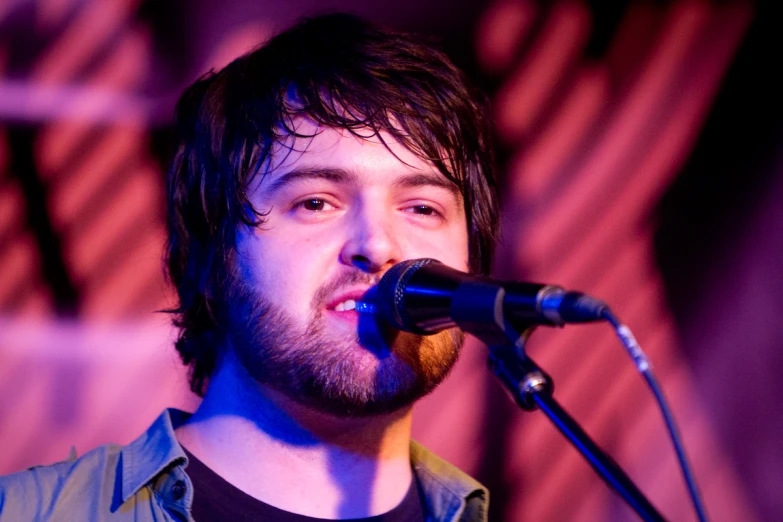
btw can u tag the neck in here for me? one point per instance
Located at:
(295, 458)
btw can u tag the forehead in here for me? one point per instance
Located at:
(356, 151)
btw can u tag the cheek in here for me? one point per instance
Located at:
(449, 247)
(458, 255)
(458, 250)
(288, 263)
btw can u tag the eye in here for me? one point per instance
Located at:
(313, 205)
(423, 210)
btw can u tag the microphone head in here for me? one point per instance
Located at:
(391, 294)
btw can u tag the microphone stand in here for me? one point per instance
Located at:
(532, 388)
(478, 310)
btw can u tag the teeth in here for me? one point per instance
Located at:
(359, 306)
(345, 306)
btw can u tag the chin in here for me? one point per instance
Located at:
(375, 370)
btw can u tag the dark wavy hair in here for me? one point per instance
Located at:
(338, 71)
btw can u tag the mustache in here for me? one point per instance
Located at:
(348, 278)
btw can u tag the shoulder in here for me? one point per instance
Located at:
(108, 482)
(430, 467)
(450, 494)
(42, 491)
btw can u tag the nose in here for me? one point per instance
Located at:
(372, 244)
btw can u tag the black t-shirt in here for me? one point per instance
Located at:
(216, 500)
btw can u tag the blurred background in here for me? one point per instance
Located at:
(642, 162)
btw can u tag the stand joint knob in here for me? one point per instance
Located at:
(535, 382)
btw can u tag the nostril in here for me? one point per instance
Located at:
(369, 252)
(367, 265)
(361, 262)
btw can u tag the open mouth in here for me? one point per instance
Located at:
(361, 307)
(357, 309)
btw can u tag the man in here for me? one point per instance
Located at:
(305, 169)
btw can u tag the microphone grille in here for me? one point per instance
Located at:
(391, 292)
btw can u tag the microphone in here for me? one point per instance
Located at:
(424, 296)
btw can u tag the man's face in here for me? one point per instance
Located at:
(341, 211)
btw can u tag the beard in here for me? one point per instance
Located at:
(376, 371)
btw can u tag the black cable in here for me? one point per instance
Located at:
(643, 365)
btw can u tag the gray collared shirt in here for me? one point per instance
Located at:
(145, 481)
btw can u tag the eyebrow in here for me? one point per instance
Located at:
(334, 175)
(424, 180)
(342, 176)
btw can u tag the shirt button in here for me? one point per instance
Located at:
(178, 491)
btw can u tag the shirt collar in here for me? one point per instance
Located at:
(155, 450)
(450, 493)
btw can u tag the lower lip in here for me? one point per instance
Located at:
(373, 334)
(349, 317)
